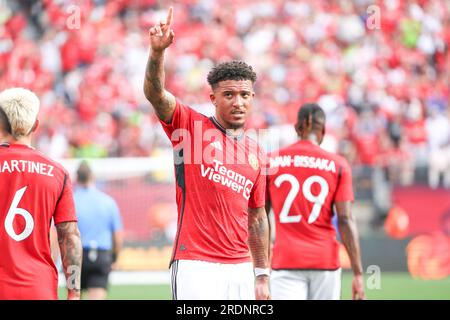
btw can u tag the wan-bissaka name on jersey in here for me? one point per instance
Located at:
(303, 162)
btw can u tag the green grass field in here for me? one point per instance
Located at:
(393, 286)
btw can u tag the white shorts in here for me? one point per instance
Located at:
(202, 280)
(305, 284)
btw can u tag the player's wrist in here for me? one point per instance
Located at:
(157, 53)
(262, 272)
(73, 294)
(357, 271)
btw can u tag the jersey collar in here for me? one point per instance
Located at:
(307, 142)
(224, 131)
(16, 145)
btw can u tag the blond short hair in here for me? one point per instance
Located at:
(21, 106)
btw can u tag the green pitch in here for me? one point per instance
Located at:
(392, 286)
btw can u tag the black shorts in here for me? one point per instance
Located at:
(95, 268)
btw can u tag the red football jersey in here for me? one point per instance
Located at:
(218, 178)
(34, 189)
(303, 183)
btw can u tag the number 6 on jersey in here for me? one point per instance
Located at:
(15, 210)
(318, 200)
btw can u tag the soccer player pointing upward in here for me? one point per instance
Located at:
(308, 182)
(221, 215)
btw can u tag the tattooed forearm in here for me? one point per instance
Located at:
(154, 76)
(162, 101)
(71, 253)
(258, 237)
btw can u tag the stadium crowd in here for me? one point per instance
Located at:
(385, 87)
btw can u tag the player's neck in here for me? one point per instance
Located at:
(22, 141)
(311, 137)
(233, 132)
(87, 185)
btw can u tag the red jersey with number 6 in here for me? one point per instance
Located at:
(303, 183)
(33, 189)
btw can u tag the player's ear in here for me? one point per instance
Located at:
(213, 98)
(35, 126)
(322, 135)
(298, 128)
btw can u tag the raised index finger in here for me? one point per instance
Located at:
(169, 17)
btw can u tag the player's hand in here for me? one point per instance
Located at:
(161, 35)
(358, 288)
(262, 291)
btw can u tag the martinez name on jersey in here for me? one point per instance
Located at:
(26, 166)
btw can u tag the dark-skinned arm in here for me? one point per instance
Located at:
(161, 37)
(258, 241)
(349, 236)
(268, 207)
(162, 101)
(117, 241)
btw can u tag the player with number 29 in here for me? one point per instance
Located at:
(304, 184)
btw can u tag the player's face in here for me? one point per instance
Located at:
(233, 101)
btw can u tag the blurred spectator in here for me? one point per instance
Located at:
(369, 81)
(428, 256)
(438, 130)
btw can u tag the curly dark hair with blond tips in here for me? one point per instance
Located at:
(232, 70)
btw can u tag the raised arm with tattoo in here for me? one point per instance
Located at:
(349, 236)
(258, 241)
(161, 37)
(71, 255)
